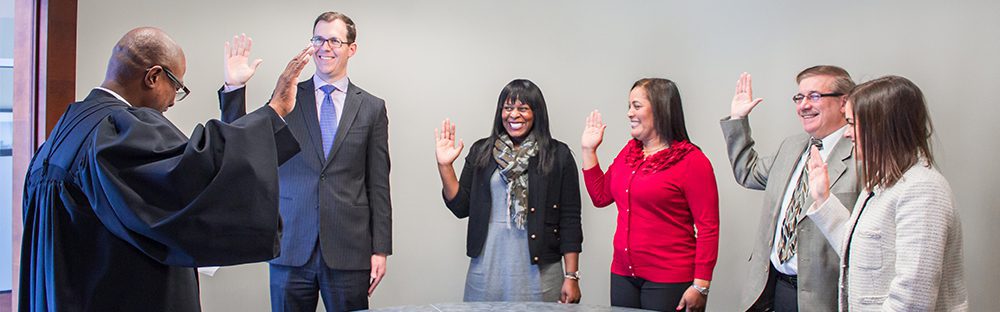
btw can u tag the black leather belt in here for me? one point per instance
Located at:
(791, 279)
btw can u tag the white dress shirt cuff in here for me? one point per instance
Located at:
(227, 88)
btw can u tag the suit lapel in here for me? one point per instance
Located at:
(352, 104)
(306, 100)
(842, 153)
(788, 161)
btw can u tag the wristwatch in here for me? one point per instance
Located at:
(573, 275)
(702, 290)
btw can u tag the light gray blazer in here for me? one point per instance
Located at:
(817, 259)
(906, 254)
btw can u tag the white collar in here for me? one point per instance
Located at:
(341, 84)
(116, 95)
(830, 142)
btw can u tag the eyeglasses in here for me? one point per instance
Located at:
(334, 42)
(813, 96)
(182, 91)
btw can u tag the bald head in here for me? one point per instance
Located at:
(140, 49)
(138, 66)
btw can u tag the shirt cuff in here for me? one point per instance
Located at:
(227, 88)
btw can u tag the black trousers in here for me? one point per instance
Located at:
(634, 292)
(780, 295)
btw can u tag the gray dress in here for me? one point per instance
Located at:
(503, 272)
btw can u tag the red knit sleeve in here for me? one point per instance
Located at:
(599, 183)
(598, 186)
(702, 195)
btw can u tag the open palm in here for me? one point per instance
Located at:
(743, 101)
(447, 148)
(593, 132)
(819, 180)
(238, 68)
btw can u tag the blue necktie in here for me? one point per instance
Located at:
(328, 119)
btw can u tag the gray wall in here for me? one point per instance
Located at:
(434, 60)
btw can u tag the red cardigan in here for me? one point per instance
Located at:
(661, 200)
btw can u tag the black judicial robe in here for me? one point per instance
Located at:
(120, 206)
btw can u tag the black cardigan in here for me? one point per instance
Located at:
(553, 204)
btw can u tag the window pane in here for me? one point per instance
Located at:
(6, 134)
(6, 29)
(6, 89)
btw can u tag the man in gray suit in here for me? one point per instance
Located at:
(334, 195)
(792, 265)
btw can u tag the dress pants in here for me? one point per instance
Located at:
(634, 292)
(780, 295)
(295, 289)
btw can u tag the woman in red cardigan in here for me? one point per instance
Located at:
(667, 240)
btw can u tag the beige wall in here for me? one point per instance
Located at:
(435, 60)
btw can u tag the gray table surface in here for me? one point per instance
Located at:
(504, 306)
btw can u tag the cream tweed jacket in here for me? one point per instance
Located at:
(905, 253)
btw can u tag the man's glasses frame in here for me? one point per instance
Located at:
(318, 41)
(182, 90)
(813, 97)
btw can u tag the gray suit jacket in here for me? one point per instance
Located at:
(817, 259)
(341, 200)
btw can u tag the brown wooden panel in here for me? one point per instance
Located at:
(57, 73)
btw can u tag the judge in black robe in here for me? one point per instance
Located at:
(120, 206)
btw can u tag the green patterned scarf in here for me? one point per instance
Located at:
(513, 164)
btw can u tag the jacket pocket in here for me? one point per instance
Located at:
(872, 300)
(866, 250)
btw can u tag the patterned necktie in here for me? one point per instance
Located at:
(788, 242)
(327, 119)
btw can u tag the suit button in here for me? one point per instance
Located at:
(322, 177)
(532, 210)
(556, 206)
(532, 236)
(555, 230)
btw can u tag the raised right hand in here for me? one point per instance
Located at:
(238, 69)
(819, 180)
(593, 132)
(447, 148)
(283, 97)
(743, 101)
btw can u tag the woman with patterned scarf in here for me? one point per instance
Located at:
(520, 191)
(667, 240)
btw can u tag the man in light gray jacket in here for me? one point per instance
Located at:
(792, 265)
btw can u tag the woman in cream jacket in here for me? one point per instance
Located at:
(901, 245)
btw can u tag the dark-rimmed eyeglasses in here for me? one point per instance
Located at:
(813, 97)
(334, 42)
(182, 90)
